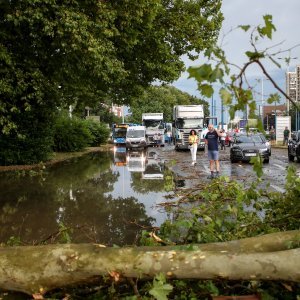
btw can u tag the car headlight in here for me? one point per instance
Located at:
(263, 150)
(235, 149)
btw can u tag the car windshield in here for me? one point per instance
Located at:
(135, 133)
(257, 139)
(244, 139)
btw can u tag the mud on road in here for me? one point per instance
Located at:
(188, 175)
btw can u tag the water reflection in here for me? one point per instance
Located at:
(97, 198)
(140, 166)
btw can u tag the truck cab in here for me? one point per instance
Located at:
(186, 118)
(155, 128)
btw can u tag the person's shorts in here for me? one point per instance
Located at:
(213, 155)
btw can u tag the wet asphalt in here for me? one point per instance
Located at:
(274, 172)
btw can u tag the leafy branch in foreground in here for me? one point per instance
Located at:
(236, 91)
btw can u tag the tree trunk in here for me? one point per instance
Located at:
(37, 269)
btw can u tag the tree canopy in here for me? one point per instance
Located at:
(162, 99)
(64, 52)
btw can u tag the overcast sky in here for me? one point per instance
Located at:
(244, 12)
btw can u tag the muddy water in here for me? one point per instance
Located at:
(105, 197)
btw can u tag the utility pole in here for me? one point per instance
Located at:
(222, 111)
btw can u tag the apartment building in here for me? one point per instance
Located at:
(293, 86)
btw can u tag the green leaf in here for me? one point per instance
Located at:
(160, 289)
(206, 90)
(200, 73)
(225, 96)
(254, 55)
(257, 165)
(245, 27)
(268, 29)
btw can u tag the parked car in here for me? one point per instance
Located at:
(294, 146)
(229, 138)
(246, 146)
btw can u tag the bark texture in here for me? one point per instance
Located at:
(37, 269)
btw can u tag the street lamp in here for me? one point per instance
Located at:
(262, 99)
(287, 60)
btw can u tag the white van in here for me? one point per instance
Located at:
(136, 137)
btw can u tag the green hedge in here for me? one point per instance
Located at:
(99, 132)
(71, 134)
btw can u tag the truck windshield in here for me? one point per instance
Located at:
(189, 123)
(135, 133)
(153, 124)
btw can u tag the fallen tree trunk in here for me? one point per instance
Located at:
(277, 241)
(37, 269)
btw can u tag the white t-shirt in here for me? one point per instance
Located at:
(223, 136)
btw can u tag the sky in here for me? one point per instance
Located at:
(244, 12)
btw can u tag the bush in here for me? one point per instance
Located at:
(71, 134)
(33, 141)
(99, 132)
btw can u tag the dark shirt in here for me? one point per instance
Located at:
(286, 133)
(212, 140)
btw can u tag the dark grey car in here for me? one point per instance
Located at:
(247, 146)
(294, 146)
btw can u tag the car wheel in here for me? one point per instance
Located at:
(232, 160)
(291, 157)
(266, 160)
(298, 159)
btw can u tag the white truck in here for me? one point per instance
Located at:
(186, 118)
(155, 129)
(154, 166)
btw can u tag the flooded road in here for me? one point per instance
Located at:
(110, 197)
(106, 197)
(274, 172)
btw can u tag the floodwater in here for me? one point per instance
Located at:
(105, 197)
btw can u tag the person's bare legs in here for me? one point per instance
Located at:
(212, 165)
(217, 165)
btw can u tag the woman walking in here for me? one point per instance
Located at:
(193, 144)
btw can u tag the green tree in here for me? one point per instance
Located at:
(162, 99)
(53, 54)
(62, 53)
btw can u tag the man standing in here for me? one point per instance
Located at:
(286, 135)
(211, 139)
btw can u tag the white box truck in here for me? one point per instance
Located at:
(155, 129)
(186, 118)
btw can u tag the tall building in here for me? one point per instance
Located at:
(293, 86)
